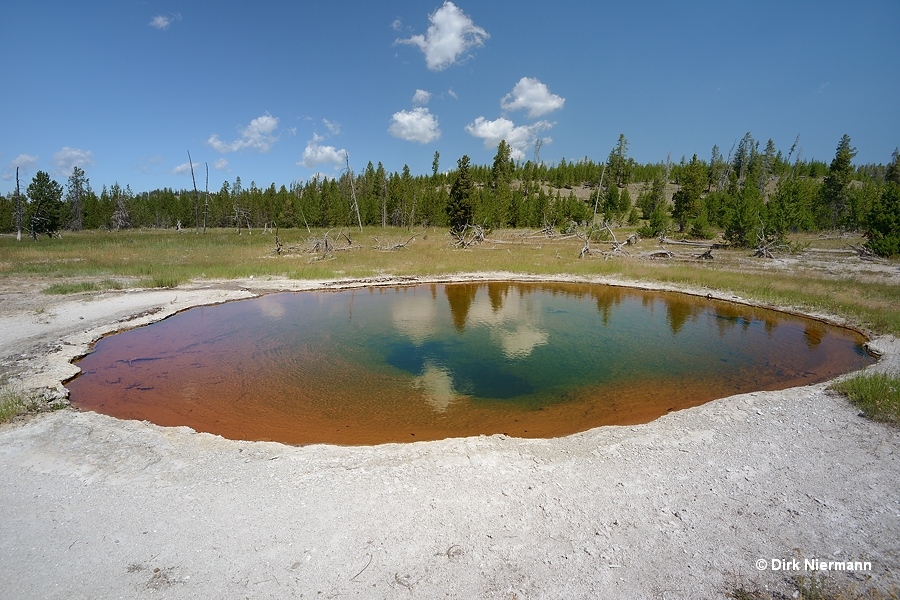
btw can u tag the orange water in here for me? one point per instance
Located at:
(427, 362)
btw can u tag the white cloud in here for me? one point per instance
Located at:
(23, 162)
(421, 97)
(68, 158)
(451, 34)
(519, 137)
(416, 125)
(257, 136)
(315, 155)
(397, 25)
(332, 127)
(221, 164)
(162, 22)
(532, 95)
(182, 169)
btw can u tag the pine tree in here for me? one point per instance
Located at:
(883, 222)
(836, 188)
(46, 205)
(619, 166)
(892, 174)
(687, 199)
(501, 180)
(717, 168)
(459, 206)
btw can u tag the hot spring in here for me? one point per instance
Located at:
(424, 362)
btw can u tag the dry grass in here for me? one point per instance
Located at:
(838, 284)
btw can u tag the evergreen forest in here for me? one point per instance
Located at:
(755, 194)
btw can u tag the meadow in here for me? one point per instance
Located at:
(824, 276)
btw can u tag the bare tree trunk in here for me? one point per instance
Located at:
(599, 188)
(352, 189)
(384, 204)
(18, 209)
(206, 205)
(196, 201)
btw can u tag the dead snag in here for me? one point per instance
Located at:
(863, 252)
(468, 236)
(390, 247)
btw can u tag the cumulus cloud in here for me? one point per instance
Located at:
(221, 164)
(519, 137)
(23, 162)
(451, 34)
(162, 22)
(532, 95)
(68, 158)
(182, 169)
(421, 97)
(416, 125)
(258, 136)
(316, 155)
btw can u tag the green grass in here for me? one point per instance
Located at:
(877, 395)
(166, 258)
(13, 402)
(77, 287)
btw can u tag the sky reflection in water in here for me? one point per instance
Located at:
(432, 361)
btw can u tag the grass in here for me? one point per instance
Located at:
(877, 395)
(14, 402)
(90, 261)
(76, 287)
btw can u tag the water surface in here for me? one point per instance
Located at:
(408, 363)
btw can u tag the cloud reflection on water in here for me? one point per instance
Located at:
(415, 316)
(437, 385)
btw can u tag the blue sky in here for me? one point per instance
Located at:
(276, 92)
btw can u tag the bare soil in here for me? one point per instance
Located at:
(687, 506)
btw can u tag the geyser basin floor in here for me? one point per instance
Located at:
(390, 364)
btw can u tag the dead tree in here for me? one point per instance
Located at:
(396, 246)
(599, 188)
(18, 209)
(120, 218)
(241, 215)
(766, 244)
(196, 200)
(863, 252)
(468, 236)
(617, 246)
(279, 247)
(206, 203)
(354, 204)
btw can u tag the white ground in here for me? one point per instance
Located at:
(683, 507)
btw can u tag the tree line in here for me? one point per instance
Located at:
(752, 195)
